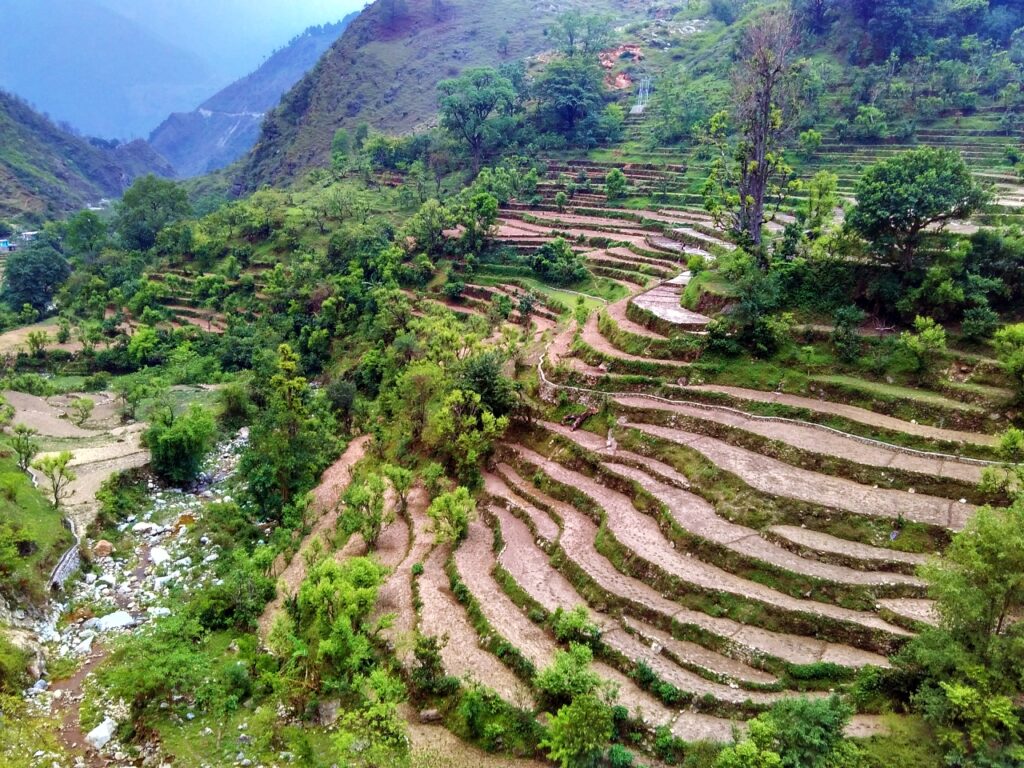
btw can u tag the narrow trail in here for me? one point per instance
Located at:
(326, 498)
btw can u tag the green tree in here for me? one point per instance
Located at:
(57, 471)
(37, 341)
(451, 514)
(463, 431)
(86, 235)
(32, 276)
(179, 444)
(615, 184)
(902, 196)
(291, 441)
(970, 664)
(569, 676)
(401, 480)
(927, 345)
(375, 735)
(750, 178)
(582, 33)
(1009, 343)
(468, 104)
(366, 510)
(150, 205)
(579, 734)
(569, 93)
(25, 445)
(81, 409)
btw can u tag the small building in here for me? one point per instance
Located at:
(6, 246)
(28, 237)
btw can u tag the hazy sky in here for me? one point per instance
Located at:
(233, 36)
(117, 68)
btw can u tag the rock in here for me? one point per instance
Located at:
(84, 647)
(327, 712)
(90, 578)
(112, 621)
(159, 556)
(103, 548)
(430, 716)
(144, 527)
(211, 558)
(101, 735)
(157, 611)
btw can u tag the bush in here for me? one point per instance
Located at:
(980, 323)
(557, 262)
(179, 444)
(575, 626)
(13, 666)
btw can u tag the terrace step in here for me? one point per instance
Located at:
(577, 538)
(813, 543)
(475, 561)
(851, 413)
(640, 534)
(777, 478)
(699, 518)
(818, 440)
(528, 565)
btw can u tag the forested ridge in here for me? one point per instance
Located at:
(558, 433)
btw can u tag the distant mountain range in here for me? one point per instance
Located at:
(226, 126)
(87, 66)
(46, 172)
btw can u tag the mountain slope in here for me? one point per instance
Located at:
(46, 172)
(227, 125)
(86, 65)
(385, 71)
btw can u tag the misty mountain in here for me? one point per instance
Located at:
(227, 125)
(46, 172)
(83, 64)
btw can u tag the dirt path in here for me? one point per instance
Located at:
(663, 301)
(577, 541)
(820, 441)
(780, 479)
(326, 498)
(853, 413)
(641, 535)
(617, 311)
(593, 338)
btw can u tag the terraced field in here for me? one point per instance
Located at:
(727, 557)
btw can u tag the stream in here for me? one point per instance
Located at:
(123, 592)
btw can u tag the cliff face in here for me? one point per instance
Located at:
(385, 69)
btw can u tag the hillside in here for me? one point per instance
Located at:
(385, 73)
(46, 172)
(226, 126)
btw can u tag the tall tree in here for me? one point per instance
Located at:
(468, 104)
(746, 177)
(902, 196)
(150, 205)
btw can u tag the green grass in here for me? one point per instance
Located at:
(34, 519)
(599, 287)
(894, 392)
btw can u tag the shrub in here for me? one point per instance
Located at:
(980, 323)
(575, 626)
(179, 444)
(615, 184)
